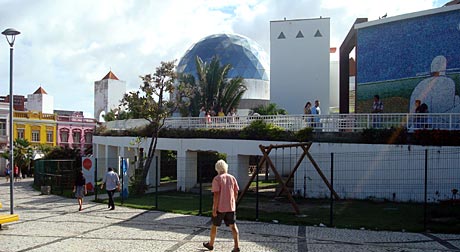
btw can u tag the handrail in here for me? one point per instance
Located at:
(325, 123)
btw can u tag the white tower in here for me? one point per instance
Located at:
(40, 101)
(299, 63)
(108, 93)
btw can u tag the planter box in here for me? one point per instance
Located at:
(46, 190)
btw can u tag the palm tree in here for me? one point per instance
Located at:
(214, 89)
(270, 109)
(23, 154)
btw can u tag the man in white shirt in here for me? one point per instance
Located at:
(316, 111)
(112, 183)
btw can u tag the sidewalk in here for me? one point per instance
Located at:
(53, 223)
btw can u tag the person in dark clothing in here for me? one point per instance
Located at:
(80, 189)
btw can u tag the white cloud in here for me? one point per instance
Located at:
(66, 45)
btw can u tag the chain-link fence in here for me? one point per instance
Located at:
(408, 189)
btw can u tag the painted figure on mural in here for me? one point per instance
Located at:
(437, 91)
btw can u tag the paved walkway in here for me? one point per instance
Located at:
(53, 223)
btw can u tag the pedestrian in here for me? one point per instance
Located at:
(7, 173)
(16, 173)
(112, 184)
(417, 117)
(225, 192)
(316, 111)
(307, 112)
(377, 107)
(80, 188)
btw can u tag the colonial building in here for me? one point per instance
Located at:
(74, 130)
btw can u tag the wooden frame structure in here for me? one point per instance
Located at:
(266, 159)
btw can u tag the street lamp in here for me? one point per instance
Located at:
(10, 35)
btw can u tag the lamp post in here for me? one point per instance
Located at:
(10, 35)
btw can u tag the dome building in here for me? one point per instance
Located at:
(247, 59)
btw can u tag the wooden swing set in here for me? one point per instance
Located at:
(269, 164)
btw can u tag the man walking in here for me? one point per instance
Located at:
(225, 189)
(112, 183)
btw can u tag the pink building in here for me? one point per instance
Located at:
(75, 131)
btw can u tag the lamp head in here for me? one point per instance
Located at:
(10, 35)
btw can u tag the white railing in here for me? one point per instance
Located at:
(326, 123)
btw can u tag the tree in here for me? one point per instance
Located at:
(152, 105)
(213, 89)
(23, 154)
(116, 114)
(269, 109)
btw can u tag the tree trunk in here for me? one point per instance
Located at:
(141, 186)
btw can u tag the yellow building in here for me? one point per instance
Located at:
(36, 127)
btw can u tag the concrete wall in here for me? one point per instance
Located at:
(300, 65)
(107, 95)
(394, 172)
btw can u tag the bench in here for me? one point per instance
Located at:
(6, 218)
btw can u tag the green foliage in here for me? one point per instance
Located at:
(260, 130)
(212, 90)
(23, 153)
(59, 152)
(270, 109)
(385, 136)
(436, 137)
(117, 114)
(304, 134)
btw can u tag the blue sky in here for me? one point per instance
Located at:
(66, 45)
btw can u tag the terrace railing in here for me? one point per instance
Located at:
(325, 123)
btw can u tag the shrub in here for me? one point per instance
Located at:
(260, 130)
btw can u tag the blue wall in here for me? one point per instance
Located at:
(403, 49)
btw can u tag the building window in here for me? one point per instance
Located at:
(20, 133)
(2, 128)
(88, 137)
(35, 136)
(76, 135)
(64, 136)
(49, 136)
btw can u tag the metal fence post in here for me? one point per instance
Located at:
(425, 205)
(257, 190)
(96, 187)
(122, 179)
(201, 190)
(331, 213)
(156, 182)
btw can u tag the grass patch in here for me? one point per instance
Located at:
(264, 184)
(354, 214)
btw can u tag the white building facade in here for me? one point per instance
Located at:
(40, 101)
(107, 94)
(299, 63)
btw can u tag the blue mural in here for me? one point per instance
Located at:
(411, 59)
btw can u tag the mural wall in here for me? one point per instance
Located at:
(411, 59)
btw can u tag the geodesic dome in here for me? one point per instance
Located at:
(247, 58)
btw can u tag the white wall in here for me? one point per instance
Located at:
(361, 171)
(299, 67)
(334, 85)
(107, 95)
(40, 102)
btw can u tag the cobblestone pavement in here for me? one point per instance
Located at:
(53, 223)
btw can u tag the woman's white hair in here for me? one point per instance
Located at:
(221, 166)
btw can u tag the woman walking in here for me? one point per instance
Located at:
(80, 189)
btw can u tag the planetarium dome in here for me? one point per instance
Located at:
(247, 59)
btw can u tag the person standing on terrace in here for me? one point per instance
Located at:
(377, 107)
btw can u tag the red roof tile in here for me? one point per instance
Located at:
(40, 90)
(111, 76)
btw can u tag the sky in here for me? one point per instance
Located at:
(67, 45)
